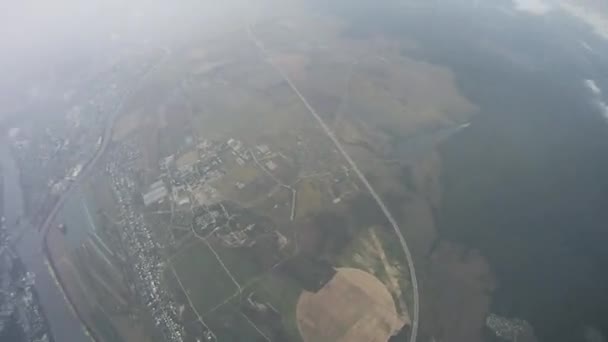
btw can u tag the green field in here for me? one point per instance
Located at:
(282, 294)
(105, 327)
(240, 263)
(363, 253)
(203, 277)
(229, 324)
(357, 255)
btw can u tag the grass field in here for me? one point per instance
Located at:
(203, 277)
(375, 251)
(216, 296)
(239, 262)
(282, 294)
(309, 198)
(229, 324)
(281, 198)
(105, 327)
(244, 174)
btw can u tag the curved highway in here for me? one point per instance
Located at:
(361, 176)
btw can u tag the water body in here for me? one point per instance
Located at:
(63, 323)
(526, 183)
(80, 218)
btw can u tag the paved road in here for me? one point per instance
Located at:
(361, 176)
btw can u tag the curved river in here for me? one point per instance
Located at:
(64, 324)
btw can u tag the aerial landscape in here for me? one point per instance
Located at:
(304, 171)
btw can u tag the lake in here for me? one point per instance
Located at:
(526, 184)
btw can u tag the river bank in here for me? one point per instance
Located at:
(64, 325)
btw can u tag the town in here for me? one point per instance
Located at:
(20, 310)
(144, 259)
(197, 207)
(184, 185)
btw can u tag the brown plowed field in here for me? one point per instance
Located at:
(354, 306)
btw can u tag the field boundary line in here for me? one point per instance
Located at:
(200, 318)
(256, 328)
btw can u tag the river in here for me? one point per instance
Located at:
(64, 325)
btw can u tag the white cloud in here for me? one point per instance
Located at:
(594, 17)
(604, 108)
(593, 87)
(537, 7)
(586, 46)
(593, 14)
(597, 93)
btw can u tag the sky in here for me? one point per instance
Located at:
(593, 12)
(37, 36)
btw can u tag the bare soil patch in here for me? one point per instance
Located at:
(354, 306)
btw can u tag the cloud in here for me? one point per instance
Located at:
(594, 14)
(594, 17)
(593, 87)
(537, 7)
(597, 92)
